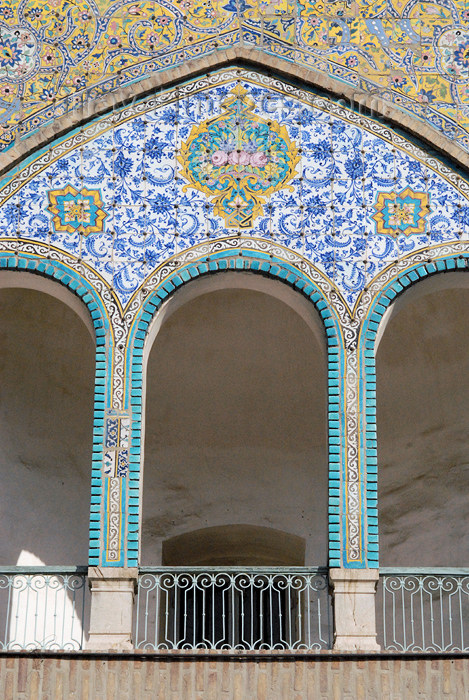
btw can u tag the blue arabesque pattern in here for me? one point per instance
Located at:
(152, 213)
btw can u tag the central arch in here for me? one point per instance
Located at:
(277, 279)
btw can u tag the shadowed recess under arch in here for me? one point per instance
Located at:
(234, 545)
(236, 422)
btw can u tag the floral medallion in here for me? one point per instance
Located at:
(453, 50)
(76, 211)
(403, 213)
(18, 53)
(238, 159)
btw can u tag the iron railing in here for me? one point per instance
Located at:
(43, 607)
(423, 609)
(250, 609)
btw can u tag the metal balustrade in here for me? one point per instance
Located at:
(249, 609)
(222, 609)
(423, 609)
(43, 607)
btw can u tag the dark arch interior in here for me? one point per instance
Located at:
(235, 423)
(423, 432)
(46, 422)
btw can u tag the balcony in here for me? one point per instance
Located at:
(253, 609)
(44, 608)
(47, 608)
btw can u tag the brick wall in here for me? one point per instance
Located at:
(127, 677)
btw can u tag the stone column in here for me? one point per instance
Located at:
(355, 609)
(112, 599)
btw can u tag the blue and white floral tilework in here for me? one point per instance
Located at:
(292, 173)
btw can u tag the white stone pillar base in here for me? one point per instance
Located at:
(112, 599)
(355, 609)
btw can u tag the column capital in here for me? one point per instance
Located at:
(358, 580)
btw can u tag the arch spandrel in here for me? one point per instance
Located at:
(136, 188)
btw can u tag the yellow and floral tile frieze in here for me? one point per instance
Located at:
(56, 54)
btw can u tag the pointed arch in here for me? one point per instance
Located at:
(323, 84)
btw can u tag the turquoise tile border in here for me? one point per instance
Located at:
(66, 276)
(393, 288)
(245, 260)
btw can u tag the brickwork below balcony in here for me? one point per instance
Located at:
(268, 676)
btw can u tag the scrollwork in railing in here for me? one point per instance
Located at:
(426, 610)
(255, 609)
(42, 609)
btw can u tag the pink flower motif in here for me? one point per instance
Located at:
(258, 160)
(219, 158)
(244, 158)
(233, 158)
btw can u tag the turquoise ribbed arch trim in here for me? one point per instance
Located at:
(274, 268)
(367, 362)
(66, 276)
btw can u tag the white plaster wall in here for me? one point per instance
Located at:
(236, 422)
(46, 418)
(423, 432)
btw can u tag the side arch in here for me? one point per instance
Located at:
(15, 279)
(417, 279)
(53, 271)
(145, 326)
(66, 284)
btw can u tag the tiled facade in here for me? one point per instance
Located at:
(233, 170)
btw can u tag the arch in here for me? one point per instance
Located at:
(47, 370)
(63, 282)
(145, 328)
(221, 264)
(74, 290)
(421, 279)
(427, 285)
(18, 280)
(235, 420)
(349, 96)
(235, 280)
